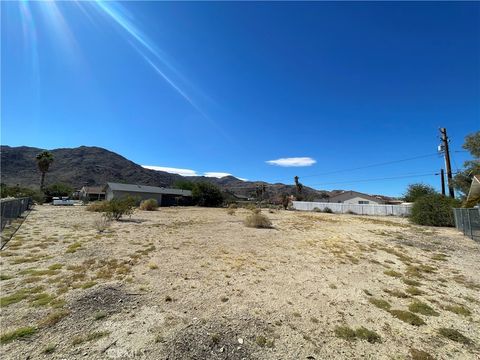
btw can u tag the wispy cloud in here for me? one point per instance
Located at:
(220, 175)
(293, 162)
(183, 172)
(190, 172)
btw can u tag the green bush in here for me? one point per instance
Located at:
(434, 210)
(120, 207)
(18, 191)
(206, 194)
(149, 205)
(328, 210)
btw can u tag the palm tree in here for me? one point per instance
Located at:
(298, 185)
(44, 159)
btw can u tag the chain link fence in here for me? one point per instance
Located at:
(468, 221)
(13, 208)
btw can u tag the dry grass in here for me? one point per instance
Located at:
(422, 308)
(53, 318)
(349, 334)
(408, 317)
(454, 335)
(17, 334)
(183, 271)
(77, 340)
(258, 220)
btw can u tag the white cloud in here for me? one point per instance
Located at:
(220, 175)
(189, 172)
(293, 162)
(183, 172)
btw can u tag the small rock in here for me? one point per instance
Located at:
(222, 349)
(240, 340)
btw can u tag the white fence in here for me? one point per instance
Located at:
(378, 210)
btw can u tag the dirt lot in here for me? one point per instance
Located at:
(195, 283)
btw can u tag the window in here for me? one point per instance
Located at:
(364, 202)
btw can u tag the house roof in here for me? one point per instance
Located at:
(147, 189)
(355, 194)
(93, 189)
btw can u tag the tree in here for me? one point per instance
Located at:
(434, 210)
(184, 185)
(44, 160)
(206, 194)
(416, 191)
(299, 187)
(58, 189)
(463, 179)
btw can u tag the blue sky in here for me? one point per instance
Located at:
(226, 87)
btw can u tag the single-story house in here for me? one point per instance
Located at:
(354, 197)
(164, 196)
(91, 193)
(242, 197)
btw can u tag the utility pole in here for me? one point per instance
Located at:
(442, 179)
(446, 153)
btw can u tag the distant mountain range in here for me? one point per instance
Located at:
(89, 165)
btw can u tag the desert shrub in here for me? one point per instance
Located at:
(350, 212)
(149, 205)
(206, 194)
(328, 210)
(120, 207)
(258, 220)
(231, 211)
(103, 223)
(98, 206)
(250, 207)
(285, 201)
(233, 206)
(434, 210)
(316, 209)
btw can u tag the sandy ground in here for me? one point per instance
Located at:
(195, 283)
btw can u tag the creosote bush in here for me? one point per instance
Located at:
(149, 205)
(434, 210)
(258, 220)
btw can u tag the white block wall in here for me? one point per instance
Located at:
(367, 209)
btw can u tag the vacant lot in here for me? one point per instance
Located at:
(195, 283)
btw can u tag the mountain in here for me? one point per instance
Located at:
(80, 166)
(90, 165)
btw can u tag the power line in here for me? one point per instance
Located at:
(377, 179)
(354, 181)
(367, 166)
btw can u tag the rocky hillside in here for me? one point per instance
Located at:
(90, 166)
(78, 167)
